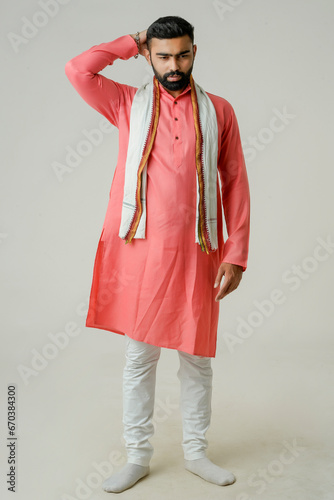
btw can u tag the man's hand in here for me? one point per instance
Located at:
(142, 42)
(232, 277)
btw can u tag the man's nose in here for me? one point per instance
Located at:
(174, 64)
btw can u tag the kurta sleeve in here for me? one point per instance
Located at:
(235, 194)
(101, 93)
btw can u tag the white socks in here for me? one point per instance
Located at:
(125, 478)
(203, 467)
(207, 470)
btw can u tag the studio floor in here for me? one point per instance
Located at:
(272, 425)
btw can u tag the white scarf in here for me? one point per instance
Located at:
(140, 122)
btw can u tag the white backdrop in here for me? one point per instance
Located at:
(272, 60)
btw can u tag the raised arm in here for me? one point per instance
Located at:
(100, 92)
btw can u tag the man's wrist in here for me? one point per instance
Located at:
(140, 40)
(135, 46)
(136, 39)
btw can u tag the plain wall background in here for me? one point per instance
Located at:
(263, 57)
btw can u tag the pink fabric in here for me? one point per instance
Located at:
(159, 290)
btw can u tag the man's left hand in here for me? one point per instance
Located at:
(232, 277)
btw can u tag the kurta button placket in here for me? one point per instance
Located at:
(177, 143)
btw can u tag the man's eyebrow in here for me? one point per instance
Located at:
(165, 53)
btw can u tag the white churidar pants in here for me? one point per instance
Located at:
(139, 377)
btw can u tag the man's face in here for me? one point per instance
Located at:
(172, 61)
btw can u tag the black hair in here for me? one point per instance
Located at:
(169, 27)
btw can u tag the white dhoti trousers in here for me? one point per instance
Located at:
(195, 375)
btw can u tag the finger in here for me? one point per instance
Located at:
(219, 276)
(217, 281)
(228, 287)
(225, 290)
(224, 286)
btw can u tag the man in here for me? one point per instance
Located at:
(162, 255)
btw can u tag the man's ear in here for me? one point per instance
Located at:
(195, 49)
(147, 56)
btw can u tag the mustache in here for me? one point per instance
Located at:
(174, 73)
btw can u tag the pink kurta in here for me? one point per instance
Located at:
(160, 289)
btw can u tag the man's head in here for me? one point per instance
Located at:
(171, 51)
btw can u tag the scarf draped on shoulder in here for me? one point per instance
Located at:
(144, 119)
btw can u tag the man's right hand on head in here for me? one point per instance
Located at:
(142, 41)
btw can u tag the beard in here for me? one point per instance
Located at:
(179, 84)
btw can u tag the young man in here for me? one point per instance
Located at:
(162, 255)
